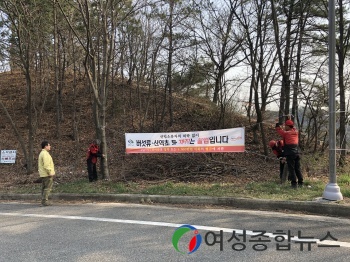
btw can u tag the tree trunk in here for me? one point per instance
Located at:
(56, 83)
(283, 62)
(17, 134)
(30, 158)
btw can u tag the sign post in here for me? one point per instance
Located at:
(8, 156)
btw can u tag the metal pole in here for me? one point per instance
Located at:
(332, 190)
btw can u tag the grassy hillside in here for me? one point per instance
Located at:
(124, 115)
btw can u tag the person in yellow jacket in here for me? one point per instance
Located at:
(46, 169)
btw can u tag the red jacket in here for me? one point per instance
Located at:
(290, 139)
(93, 153)
(278, 150)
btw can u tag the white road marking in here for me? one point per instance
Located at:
(165, 224)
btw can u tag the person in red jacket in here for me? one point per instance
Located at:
(291, 144)
(92, 154)
(277, 149)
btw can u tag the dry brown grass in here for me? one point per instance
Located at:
(191, 114)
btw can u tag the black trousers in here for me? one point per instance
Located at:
(281, 169)
(293, 162)
(92, 172)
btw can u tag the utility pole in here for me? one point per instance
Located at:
(332, 190)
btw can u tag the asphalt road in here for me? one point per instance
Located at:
(134, 232)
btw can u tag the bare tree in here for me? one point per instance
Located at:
(260, 55)
(100, 20)
(26, 42)
(342, 49)
(220, 41)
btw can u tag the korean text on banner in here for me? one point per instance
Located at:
(211, 141)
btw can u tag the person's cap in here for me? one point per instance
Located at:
(289, 123)
(272, 143)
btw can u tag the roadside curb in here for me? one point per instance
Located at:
(326, 208)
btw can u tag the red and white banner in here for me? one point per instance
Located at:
(212, 141)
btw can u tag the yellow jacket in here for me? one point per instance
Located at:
(45, 164)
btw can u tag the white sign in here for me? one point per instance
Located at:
(8, 156)
(212, 141)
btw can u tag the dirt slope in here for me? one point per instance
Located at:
(123, 116)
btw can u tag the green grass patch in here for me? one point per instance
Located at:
(262, 190)
(276, 191)
(24, 189)
(102, 187)
(344, 180)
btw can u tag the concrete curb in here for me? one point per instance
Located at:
(318, 207)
